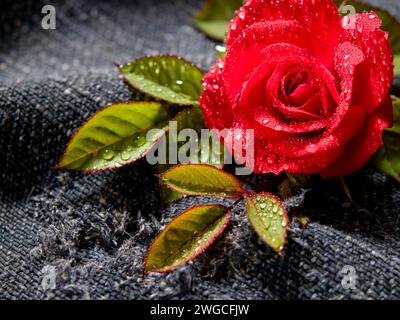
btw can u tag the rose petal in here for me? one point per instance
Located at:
(303, 146)
(301, 30)
(320, 17)
(247, 53)
(305, 113)
(252, 103)
(265, 160)
(216, 109)
(347, 58)
(358, 152)
(302, 93)
(376, 72)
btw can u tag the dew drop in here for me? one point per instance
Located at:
(125, 156)
(311, 148)
(140, 141)
(108, 154)
(221, 49)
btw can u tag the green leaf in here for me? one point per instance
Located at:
(115, 136)
(388, 163)
(397, 64)
(190, 118)
(389, 22)
(269, 219)
(220, 51)
(168, 78)
(387, 158)
(396, 114)
(214, 17)
(302, 219)
(186, 237)
(168, 195)
(193, 119)
(201, 179)
(285, 189)
(292, 184)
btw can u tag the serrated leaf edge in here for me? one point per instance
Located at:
(228, 217)
(250, 196)
(233, 178)
(92, 171)
(155, 57)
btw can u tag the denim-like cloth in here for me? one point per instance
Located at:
(65, 235)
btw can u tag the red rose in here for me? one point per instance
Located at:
(315, 93)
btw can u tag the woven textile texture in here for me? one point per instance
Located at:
(72, 236)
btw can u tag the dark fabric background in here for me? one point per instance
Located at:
(73, 236)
